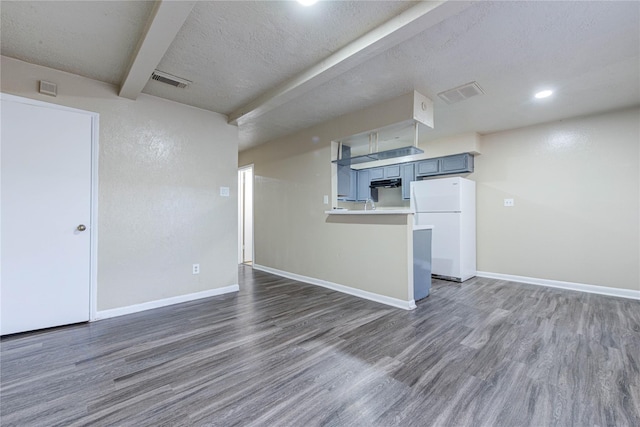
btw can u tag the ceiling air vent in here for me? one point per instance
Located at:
(461, 93)
(169, 79)
(48, 88)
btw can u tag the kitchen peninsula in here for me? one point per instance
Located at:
(389, 268)
(370, 252)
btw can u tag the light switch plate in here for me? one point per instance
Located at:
(224, 191)
(325, 199)
(508, 202)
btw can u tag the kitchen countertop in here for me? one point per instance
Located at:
(370, 212)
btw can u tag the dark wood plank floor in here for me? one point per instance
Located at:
(284, 353)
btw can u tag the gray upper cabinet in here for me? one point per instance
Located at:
(344, 182)
(363, 191)
(387, 172)
(376, 174)
(408, 175)
(353, 187)
(347, 185)
(344, 175)
(459, 163)
(392, 171)
(428, 167)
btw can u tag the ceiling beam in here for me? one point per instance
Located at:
(166, 19)
(402, 27)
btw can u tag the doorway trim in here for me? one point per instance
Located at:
(93, 230)
(241, 206)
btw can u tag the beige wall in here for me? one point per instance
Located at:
(576, 187)
(576, 215)
(160, 168)
(292, 232)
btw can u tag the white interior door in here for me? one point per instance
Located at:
(245, 215)
(46, 214)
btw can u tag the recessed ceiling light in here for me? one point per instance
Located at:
(307, 2)
(543, 94)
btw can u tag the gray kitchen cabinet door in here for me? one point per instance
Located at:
(376, 173)
(428, 167)
(392, 171)
(408, 175)
(347, 186)
(344, 175)
(364, 192)
(344, 181)
(353, 186)
(457, 164)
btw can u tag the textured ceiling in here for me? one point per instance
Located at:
(588, 54)
(94, 39)
(237, 51)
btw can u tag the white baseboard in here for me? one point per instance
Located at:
(121, 311)
(593, 289)
(394, 302)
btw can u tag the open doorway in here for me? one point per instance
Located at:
(245, 215)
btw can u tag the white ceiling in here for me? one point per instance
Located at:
(287, 67)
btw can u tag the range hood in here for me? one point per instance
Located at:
(397, 135)
(386, 183)
(381, 155)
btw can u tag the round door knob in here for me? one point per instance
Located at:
(81, 227)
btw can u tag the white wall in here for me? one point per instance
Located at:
(160, 168)
(576, 187)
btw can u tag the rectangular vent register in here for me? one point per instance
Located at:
(169, 79)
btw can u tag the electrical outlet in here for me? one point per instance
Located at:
(196, 269)
(508, 202)
(224, 191)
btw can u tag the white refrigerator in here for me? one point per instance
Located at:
(449, 204)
